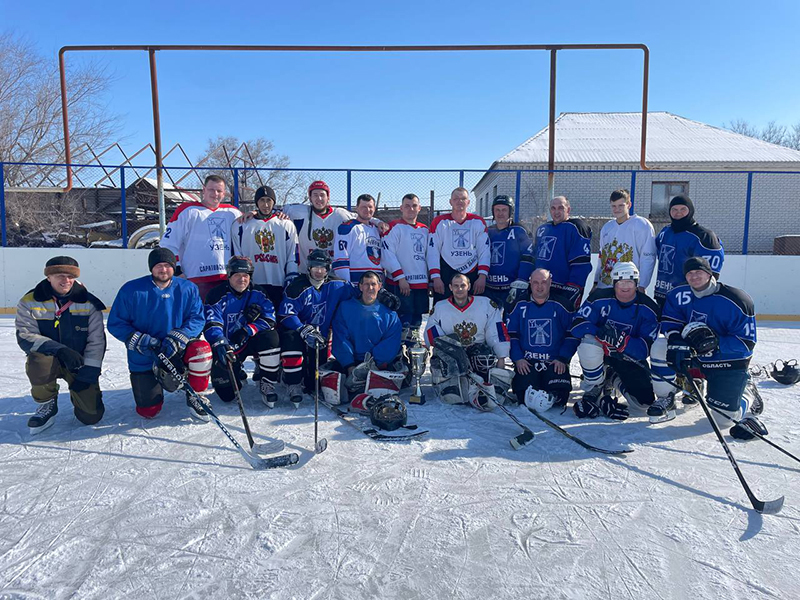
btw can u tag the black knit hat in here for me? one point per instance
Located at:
(62, 264)
(265, 192)
(686, 201)
(695, 263)
(159, 255)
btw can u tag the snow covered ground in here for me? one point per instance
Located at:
(167, 509)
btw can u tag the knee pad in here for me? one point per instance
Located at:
(198, 358)
(590, 354)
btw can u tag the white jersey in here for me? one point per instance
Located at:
(462, 246)
(479, 321)
(633, 241)
(200, 238)
(315, 231)
(357, 249)
(271, 244)
(404, 253)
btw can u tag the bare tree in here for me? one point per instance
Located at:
(772, 132)
(30, 111)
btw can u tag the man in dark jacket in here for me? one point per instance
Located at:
(60, 328)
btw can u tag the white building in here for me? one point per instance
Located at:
(608, 145)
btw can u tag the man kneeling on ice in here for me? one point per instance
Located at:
(472, 327)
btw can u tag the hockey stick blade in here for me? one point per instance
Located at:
(284, 460)
(270, 447)
(522, 440)
(577, 440)
(321, 446)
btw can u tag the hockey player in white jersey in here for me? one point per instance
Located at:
(199, 234)
(459, 243)
(470, 321)
(270, 243)
(357, 244)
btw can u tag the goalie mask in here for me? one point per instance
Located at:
(788, 374)
(388, 413)
(481, 358)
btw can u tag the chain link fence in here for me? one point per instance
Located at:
(117, 206)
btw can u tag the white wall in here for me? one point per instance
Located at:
(772, 281)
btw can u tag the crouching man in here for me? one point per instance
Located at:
(616, 327)
(161, 314)
(711, 327)
(366, 347)
(240, 322)
(541, 346)
(60, 328)
(471, 325)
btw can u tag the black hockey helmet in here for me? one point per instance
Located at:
(239, 264)
(388, 413)
(503, 200)
(789, 374)
(165, 379)
(319, 258)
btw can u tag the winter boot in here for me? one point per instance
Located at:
(43, 417)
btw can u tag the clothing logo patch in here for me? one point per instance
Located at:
(698, 317)
(233, 322)
(666, 259)
(265, 240)
(317, 314)
(416, 243)
(461, 238)
(374, 251)
(547, 244)
(626, 328)
(540, 332)
(466, 332)
(322, 237)
(216, 228)
(498, 253)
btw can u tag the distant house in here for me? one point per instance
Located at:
(605, 143)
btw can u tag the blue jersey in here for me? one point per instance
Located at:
(729, 311)
(225, 310)
(674, 248)
(303, 304)
(540, 332)
(141, 305)
(638, 319)
(358, 329)
(564, 249)
(507, 247)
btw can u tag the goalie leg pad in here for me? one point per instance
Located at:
(330, 382)
(658, 362)
(198, 358)
(381, 383)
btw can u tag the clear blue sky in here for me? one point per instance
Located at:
(710, 61)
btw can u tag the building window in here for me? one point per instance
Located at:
(663, 193)
(495, 193)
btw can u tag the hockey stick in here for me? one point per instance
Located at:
(520, 440)
(267, 448)
(258, 463)
(319, 444)
(716, 410)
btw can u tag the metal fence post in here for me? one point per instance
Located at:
(3, 203)
(633, 191)
(236, 188)
(349, 189)
(746, 212)
(461, 179)
(124, 207)
(517, 196)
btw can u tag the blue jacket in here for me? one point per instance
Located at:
(358, 329)
(141, 306)
(303, 304)
(563, 249)
(540, 332)
(675, 247)
(507, 248)
(225, 312)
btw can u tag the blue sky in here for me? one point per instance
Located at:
(710, 61)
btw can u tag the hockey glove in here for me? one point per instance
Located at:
(586, 408)
(611, 339)
(570, 292)
(700, 337)
(388, 299)
(613, 409)
(252, 313)
(175, 343)
(85, 377)
(679, 355)
(239, 337)
(312, 337)
(517, 291)
(142, 343)
(69, 359)
(223, 351)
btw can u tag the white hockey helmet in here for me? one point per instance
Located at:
(538, 400)
(624, 270)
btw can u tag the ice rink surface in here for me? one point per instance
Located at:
(168, 509)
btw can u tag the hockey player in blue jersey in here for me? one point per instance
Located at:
(541, 346)
(711, 327)
(563, 247)
(240, 322)
(612, 322)
(682, 239)
(507, 243)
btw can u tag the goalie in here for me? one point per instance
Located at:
(468, 337)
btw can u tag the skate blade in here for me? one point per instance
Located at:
(40, 429)
(662, 418)
(203, 418)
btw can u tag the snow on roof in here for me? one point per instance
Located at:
(616, 138)
(171, 192)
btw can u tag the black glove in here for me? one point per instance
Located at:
(69, 359)
(142, 343)
(700, 337)
(312, 337)
(252, 313)
(611, 339)
(388, 299)
(613, 409)
(239, 337)
(679, 354)
(175, 343)
(85, 377)
(586, 408)
(570, 292)
(223, 351)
